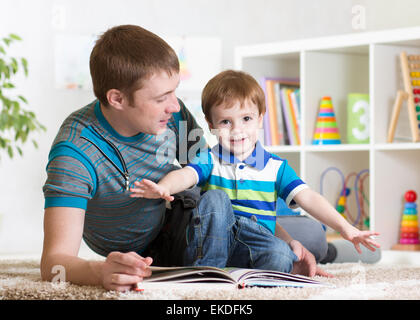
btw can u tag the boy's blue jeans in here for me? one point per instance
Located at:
(216, 237)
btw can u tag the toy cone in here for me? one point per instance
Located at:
(409, 228)
(409, 232)
(326, 130)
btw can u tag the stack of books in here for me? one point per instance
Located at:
(282, 117)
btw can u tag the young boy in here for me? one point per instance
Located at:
(234, 105)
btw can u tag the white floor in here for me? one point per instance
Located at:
(400, 257)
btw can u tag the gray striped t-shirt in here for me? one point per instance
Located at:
(91, 166)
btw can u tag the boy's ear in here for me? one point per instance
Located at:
(115, 98)
(209, 124)
(260, 121)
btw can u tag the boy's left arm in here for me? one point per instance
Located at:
(306, 263)
(318, 207)
(295, 245)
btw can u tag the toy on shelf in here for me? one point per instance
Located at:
(361, 220)
(326, 130)
(409, 229)
(410, 67)
(357, 118)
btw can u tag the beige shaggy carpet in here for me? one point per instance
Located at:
(20, 279)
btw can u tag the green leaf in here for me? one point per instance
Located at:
(3, 143)
(7, 41)
(25, 65)
(6, 72)
(15, 37)
(23, 99)
(8, 85)
(10, 151)
(14, 65)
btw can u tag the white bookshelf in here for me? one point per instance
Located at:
(336, 66)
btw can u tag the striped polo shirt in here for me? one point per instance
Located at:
(253, 185)
(91, 167)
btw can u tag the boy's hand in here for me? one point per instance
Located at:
(297, 248)
(306, 265)
(361, 237)
(150, 190)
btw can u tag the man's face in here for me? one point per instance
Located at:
(153, 105)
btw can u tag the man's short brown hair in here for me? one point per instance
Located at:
(229, 87)
(124, 56)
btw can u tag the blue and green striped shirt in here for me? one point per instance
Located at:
(253, 185)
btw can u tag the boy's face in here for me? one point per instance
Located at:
(237, 127)
(153, 105)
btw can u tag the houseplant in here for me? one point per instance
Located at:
(16, 123)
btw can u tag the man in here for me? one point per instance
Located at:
(132, 131)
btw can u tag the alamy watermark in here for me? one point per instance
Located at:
(60, 273)
(358, 21)
(191, 144)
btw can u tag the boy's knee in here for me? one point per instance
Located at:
(279, 257)
(217, 204)
(214, 210)
(218, 197)
(277, 261)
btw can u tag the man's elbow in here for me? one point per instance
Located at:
(45, 271)
(48, 268)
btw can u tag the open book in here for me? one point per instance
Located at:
(165, 277)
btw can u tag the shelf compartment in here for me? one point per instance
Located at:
(325, 172)
(387, 80)
(334, 73)
(396, 171)
(281, 65)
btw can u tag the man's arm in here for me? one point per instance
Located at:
(63, 229)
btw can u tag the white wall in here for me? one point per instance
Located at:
(236, 22)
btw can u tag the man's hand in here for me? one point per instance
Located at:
(306, 265)
(121, 271)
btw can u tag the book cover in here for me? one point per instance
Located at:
(293, 114)
(280, 122)
(287, 116)
(167, 277)
(273, 123)
(296, 107)
(271, 97)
